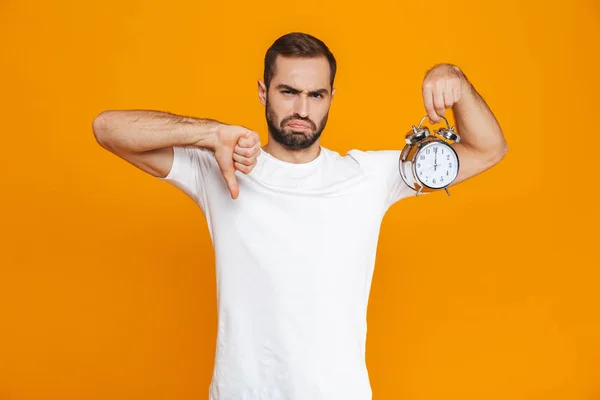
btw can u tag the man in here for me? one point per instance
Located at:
(294, 225)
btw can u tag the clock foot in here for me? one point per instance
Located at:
(446, 189)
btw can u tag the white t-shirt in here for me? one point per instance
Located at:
(294, 255)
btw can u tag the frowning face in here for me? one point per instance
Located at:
(297, 101)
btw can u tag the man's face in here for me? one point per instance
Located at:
(298, 100)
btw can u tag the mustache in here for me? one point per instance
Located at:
(297, 118)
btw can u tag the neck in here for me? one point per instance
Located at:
(292, 156)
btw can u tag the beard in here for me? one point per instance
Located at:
(289, 138)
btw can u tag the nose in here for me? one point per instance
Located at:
(301, 105)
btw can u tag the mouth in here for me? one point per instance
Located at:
(298, 125)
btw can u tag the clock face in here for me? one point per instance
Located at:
(436, 165)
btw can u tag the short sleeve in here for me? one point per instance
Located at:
(189, 170)
(385, 165)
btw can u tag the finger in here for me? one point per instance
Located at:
(255, 137)
(456, 92)
(257, 147)
(246, 169)
(226, 164)
(245, 151)
(428, 102)
(232, 184)
(231, 180)
(253, 151)
(438, 100)
(243, 168)
(244, 160)
(249, 139)
(245, 142)
(448, 95)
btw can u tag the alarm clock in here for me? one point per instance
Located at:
(428, 162)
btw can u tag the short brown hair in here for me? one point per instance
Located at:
(297, 44)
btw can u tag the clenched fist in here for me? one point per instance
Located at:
(443, 86)
(236, 148)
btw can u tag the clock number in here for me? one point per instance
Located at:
(447, 173)
(434, 181)
(448, 157)
(427, 151)
(449, 165)
(422, 158)
(418, 165)
(442, 151)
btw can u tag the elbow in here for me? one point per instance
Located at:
(503, 149)
(100, 128)
(498, 155)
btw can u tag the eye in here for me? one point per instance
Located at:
(286, 91)
(317, 95)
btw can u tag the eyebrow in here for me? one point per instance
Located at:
(294, 90)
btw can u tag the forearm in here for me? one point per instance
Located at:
(143, 130)
(476, 124)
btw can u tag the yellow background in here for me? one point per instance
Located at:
(107, 276)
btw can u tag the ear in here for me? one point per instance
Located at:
(332, 93)
(262, 93)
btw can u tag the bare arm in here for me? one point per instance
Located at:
(483, 144)
(143, 130)
(145, 139)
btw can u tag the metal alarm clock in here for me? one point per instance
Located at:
(428, 162)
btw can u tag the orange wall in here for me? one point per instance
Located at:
(107, 280)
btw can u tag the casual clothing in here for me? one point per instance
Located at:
(294, 255)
